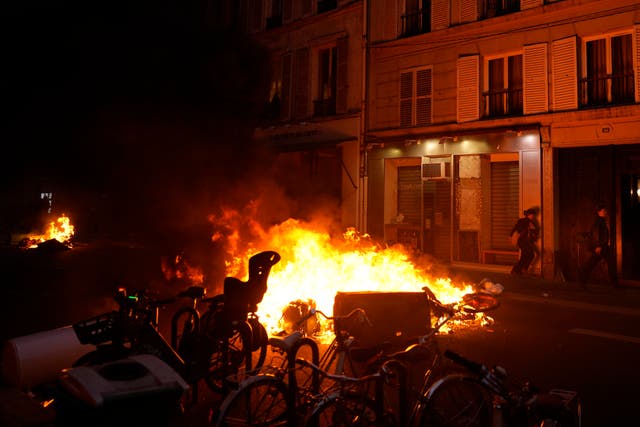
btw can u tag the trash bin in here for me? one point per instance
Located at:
(139, 390)
(32, 360)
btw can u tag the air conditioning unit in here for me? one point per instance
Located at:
(436, 170)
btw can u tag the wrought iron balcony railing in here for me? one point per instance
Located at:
(607, 90)
(503, 102)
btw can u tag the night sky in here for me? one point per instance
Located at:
(133, 113)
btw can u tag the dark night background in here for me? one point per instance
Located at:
(136, 114)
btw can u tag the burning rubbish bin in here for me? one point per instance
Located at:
(137, 391)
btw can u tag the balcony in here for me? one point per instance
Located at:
(324, 107)
(503, 102)
(417, 22)
(609, 89)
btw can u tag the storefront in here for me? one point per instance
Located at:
(455, 197)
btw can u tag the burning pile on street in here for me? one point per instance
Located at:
(315, 266)
(61, 230)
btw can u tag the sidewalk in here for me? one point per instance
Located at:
(537, 287)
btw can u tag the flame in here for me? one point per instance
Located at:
(314, 267)
(61, 230)
(177, 268)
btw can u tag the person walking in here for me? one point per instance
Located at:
(600, 249)
(524, 234)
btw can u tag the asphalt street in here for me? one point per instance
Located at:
(46, 291)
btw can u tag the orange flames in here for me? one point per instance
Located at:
(61, 230)
(315, 266)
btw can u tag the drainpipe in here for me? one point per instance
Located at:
(363, 181)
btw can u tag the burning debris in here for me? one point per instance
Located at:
(57, 235)
(316, 266)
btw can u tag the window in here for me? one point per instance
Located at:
(416, 96)
(500, 7)
(417, 17)
(607, 76)
(325, 103)
(275, 18)
(274, 102)
(504, 84)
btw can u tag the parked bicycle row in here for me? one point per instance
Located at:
(303, 382)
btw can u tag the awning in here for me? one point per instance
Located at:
(301, 137)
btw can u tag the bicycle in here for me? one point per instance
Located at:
(392, 370)
(267, 399)
(279, 392)
(207, 347)
(482, 397)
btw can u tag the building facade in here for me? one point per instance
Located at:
(447, 118)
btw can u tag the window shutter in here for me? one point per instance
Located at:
(256, 16)
(287, 10)
(535, 79)
(424, 96)
(637, 75)
(468, 88)
(406, 99)
(301, 83)
(285, 112)
(564, 74)
(440, 10)
(468, 11)
(342, 78)
(528, 4)
(305, 7)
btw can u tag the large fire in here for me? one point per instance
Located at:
(315, 266)
(61, 230)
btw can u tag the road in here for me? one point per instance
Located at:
(561, 343)
(555, 334)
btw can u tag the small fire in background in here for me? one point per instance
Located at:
(61, 230)
(315, 266)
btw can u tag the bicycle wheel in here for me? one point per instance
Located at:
(479, 302)
(456, 401)
(231, 350)
(344, 410)
(259, 400)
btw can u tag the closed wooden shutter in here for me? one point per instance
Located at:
(468, 88)
(528, 4)
(301, 83)
(468, 11)
(305, 7)
(424, 97)
(437, 217)
(342, 78)
(505, 202)
(287, 10)
(285, 102)
(535, 79)
(564, 74)
(637, 54)
(440, 14)
(406, 99)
